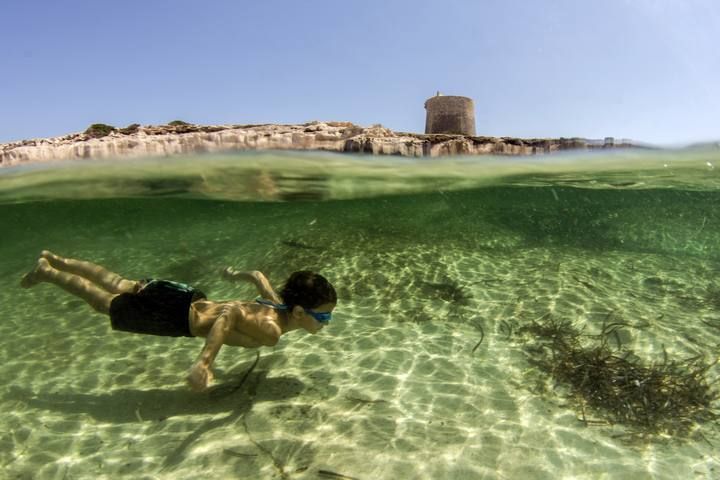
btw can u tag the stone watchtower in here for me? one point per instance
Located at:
(450, 114)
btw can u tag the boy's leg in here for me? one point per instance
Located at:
(96, 297)
(102, 277)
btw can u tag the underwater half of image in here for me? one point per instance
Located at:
(497, 318)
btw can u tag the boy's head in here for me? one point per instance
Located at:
(308, 290)
(310, 300)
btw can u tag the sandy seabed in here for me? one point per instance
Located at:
(399, 385)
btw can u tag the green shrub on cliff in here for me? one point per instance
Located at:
(97, 130)
(132, 128)
(178, 123)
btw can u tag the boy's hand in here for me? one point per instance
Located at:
(200, 377)
(228, 273)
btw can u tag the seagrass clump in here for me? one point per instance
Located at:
(605, 380)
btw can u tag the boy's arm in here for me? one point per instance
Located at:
(257, 278)
(201, 375)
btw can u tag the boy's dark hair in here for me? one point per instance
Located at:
(307, 289)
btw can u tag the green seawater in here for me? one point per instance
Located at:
(423, 371)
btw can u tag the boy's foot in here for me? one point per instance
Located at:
(35, 276)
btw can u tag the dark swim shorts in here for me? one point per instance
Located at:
(160, 307)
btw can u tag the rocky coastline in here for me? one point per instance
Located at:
(182, 139)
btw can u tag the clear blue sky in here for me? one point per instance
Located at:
(642, 69)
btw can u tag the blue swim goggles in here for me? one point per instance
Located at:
(322, 317)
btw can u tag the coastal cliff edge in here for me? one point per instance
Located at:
(168, 140)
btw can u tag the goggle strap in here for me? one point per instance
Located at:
(277, 306)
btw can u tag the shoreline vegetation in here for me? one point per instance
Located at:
(101, 141)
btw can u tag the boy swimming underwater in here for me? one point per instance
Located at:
(161, 307)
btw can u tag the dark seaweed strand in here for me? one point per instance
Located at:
(482, 337)
(331, 474)
(671, 397)
(224, 391)
(507, 325)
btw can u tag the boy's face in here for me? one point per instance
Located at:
(307, 317)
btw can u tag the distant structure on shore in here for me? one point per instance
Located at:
(450, 115)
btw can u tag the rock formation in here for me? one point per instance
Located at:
(167, 140)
